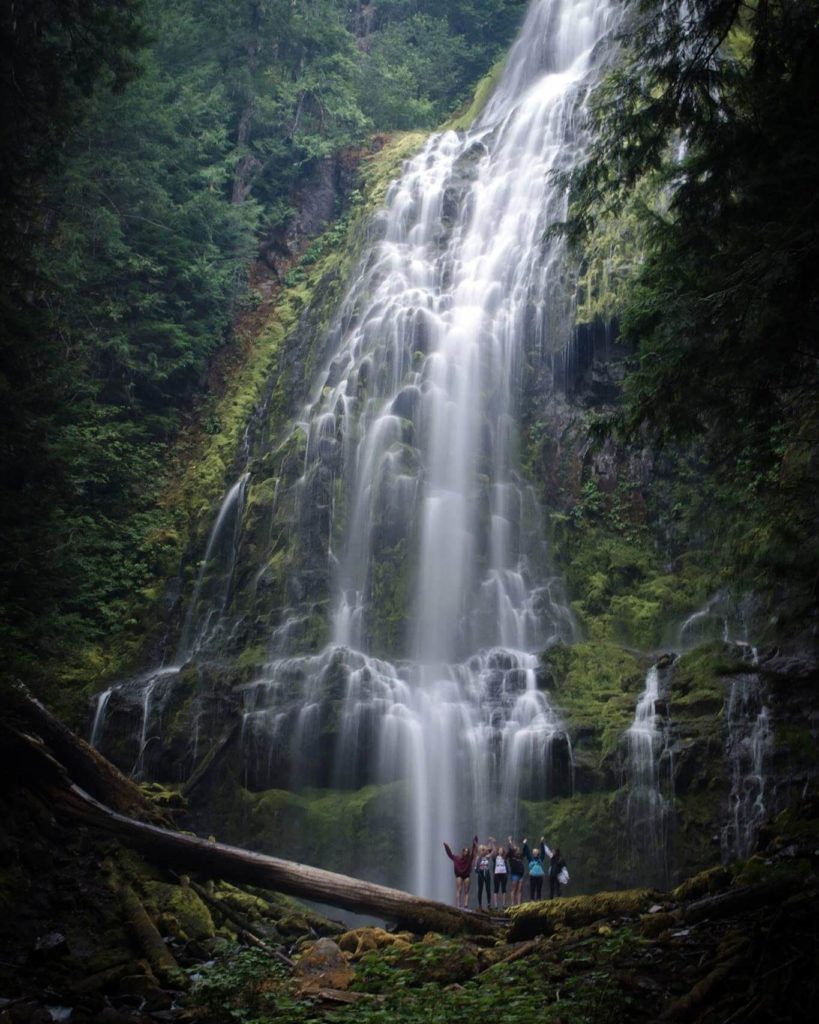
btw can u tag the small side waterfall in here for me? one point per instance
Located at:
(748, 749)
(214, 582)
(649, 807)
(99, 716)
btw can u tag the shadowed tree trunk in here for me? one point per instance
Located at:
(41, 765)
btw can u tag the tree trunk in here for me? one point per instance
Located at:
(83, 764)
(217, 860)
(35, 765)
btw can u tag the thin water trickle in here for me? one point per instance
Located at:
(648, 807)
(99, 716)
(748, 748)
(213, 584)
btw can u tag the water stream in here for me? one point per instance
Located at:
(748, 749)
(649, 807)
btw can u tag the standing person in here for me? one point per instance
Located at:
(500, 871)
(516, 871)
(536, 870)
(483, 869)
(556, 865)
(463, 872)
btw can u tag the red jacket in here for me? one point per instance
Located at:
(463, 864)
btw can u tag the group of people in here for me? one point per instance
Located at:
(500, 867)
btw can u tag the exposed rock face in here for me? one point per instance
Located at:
(323, 966)
(318, 201)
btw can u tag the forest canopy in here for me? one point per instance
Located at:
(149, 148)
(714, 103)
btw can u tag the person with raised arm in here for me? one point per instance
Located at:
(516, 872)
(463, 872)
(558, 872)
(534, 859)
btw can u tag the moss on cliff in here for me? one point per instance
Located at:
(585, 828)
(595, 686)
(355, 832)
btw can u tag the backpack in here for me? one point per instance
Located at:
(563, 877)
(535, 869)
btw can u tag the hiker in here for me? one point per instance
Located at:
(557, 867)
(500, 871)
(463, 872)
(483, 869)
(536, 870)
(516, 872)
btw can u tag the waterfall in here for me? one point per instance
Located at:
(440, 585)
(414, 531)
(214, 581)
(648, 810)
(748, 749)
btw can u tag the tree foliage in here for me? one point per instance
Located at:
(718, 99)
(148, 148)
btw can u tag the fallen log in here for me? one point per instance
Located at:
(83, 764)
(147, 938)
(245, 928)
(736, 901)
(218, 860)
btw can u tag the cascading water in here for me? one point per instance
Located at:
(412, 508)
(748, 750)
(417, 416)
(649, 774)
(137, 699)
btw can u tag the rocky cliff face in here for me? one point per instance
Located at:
(734, 727)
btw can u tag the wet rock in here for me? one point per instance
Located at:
(364, 940)
(323, 966)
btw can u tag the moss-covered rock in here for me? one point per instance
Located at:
(179, 911)
(585, 827)
(542, 917)
(595, 686)
(355, 832)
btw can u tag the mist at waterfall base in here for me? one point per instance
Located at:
(412, 430)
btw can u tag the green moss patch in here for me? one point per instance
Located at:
(542, 917)
(354, 832)
(595, 686)
(585, 827)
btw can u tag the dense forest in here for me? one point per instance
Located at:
(215, 562)
(150, 151)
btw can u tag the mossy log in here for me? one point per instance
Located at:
(217, 860)
(83, 764)
(541, 917)
(150, 942)
(245, 929)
